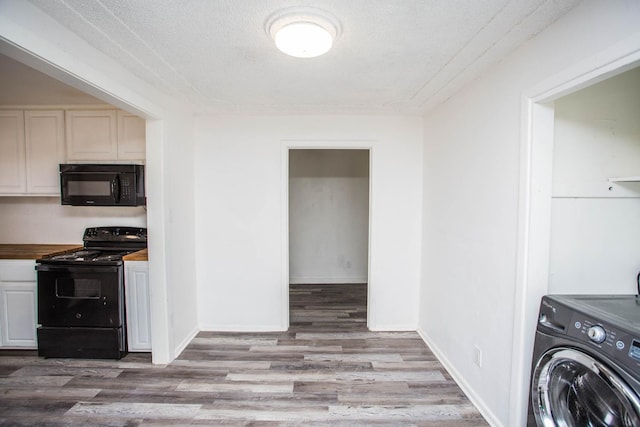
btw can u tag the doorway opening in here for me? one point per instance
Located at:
(328, 238)
(536, 197)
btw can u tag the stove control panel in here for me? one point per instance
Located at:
(115, 234)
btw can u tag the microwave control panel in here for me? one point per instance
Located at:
(126, 188)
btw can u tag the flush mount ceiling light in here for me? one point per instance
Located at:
(303, 32)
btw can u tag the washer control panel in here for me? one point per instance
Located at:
(612, 341)
(609, 336)
(603, 336)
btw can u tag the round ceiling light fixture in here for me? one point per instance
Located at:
(303, 32)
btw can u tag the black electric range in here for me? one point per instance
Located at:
(81, 298)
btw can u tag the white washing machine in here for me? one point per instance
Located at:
(586, 362)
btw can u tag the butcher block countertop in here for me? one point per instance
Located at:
(32, 251)
(142, 255)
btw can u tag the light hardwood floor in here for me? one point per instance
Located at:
(326, 370)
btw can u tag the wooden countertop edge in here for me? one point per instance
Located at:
(10, 251)
(142, 255)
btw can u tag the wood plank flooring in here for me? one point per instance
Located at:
(327, 370)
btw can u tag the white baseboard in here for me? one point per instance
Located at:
(479, 403)
(242, 328)
(392, 328)
(325, 280)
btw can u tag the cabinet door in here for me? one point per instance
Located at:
(18, 318)
(91, 135)
(131, 137)
(18, 270)
(138, 309)
(44, 137)
(12, 152)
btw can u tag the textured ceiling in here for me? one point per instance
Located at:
(392, 56)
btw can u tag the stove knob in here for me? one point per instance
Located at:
(597, 334)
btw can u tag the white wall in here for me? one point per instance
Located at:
(471, 205)
(45, 220)
(179, 231)
(241, 214)
(595, 224)
(328, 216)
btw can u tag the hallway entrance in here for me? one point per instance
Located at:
(329, 224)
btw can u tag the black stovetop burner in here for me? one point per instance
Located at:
(89, 256)
(102, 246)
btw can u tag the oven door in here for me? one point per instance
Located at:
(80, 295)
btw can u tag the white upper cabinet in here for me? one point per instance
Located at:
(44, 137)
(31, 148)
(131, 137)
(12, 153)
(34, 142)
(104, 135)
(92, 135)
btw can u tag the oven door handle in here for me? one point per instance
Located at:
(77, 269)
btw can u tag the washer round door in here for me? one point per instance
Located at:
(572, 389)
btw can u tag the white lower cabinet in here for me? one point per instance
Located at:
(137, 306)
(18, 304)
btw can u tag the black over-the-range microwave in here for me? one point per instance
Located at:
(102, 185)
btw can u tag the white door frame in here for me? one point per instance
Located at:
(339, 144)
(536, 160)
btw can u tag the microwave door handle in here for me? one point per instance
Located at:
(115, 189)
